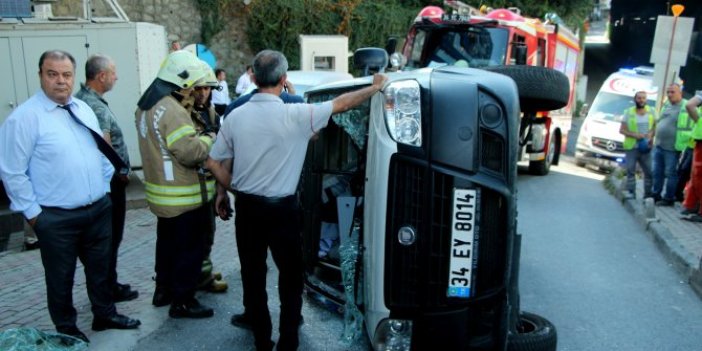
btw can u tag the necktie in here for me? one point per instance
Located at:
(102, 145)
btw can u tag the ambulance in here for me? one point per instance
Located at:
(600, 145)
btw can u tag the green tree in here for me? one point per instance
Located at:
(573, 12)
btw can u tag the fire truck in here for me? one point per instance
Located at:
(502, 40)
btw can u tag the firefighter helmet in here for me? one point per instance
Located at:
(182, 68)
(209, 80)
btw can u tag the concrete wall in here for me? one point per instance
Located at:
(182, 20)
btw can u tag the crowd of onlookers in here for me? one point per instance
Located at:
(65, 167)
(667, 148)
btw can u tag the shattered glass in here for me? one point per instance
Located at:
(355, 123)
(353, 318)
(32, 339)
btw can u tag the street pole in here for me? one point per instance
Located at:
(677, 10)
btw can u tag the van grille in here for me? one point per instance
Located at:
(417, 275)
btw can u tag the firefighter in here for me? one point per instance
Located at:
(172, 151)
(205, 120)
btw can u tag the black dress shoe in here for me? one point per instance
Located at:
(123, 292)
(242, 321)
(162, 297)
(117, 321)
(31, 246)
(190, 309)
(74, 332)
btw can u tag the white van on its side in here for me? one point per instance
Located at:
(599, 143)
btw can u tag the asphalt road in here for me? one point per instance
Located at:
(591, 270)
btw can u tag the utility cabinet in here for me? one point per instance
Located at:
(137, 49)
(324, 53)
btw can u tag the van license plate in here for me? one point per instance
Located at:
(462, 243)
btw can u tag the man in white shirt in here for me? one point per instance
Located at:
(220, 95)
(244, 81)
(57, 177)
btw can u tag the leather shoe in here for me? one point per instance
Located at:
(190, 309)
(162, 297)
(117, 321)
(74, 332)
(123, 292)
(242, 321)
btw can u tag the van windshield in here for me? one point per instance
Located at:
(610, 107)
(468, 46)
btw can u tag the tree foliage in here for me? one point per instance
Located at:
(573, 12)
(276, 24)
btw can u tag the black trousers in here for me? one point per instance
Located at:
(66, 235)
(180, 244)
(263, 223)
(118, 196)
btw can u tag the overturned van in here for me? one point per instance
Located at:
(410, 210)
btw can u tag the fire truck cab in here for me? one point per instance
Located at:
(491, 41)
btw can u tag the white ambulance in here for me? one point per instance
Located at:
(599, 144)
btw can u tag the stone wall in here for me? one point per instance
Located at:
(182, 21)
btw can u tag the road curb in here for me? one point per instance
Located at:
(682, 260)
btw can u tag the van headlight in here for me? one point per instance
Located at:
(393, 335)
(403, 112)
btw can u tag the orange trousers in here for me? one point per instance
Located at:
(693, 189)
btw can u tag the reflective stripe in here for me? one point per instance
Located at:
(164, 195)
(207, 140)
(174, 201)
(172, 189)
(179, 133)
(210, 188)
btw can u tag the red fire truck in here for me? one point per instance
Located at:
(499, 40)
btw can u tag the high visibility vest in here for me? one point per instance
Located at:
(683, 127)
(630, 115)
(696, 134)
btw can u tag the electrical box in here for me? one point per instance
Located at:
(324, 53)
(137, 49)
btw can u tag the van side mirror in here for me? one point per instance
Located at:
(391, 46)
(370, 60)
(520, 54)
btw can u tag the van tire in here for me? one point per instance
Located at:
(540, 88)
(534, 333)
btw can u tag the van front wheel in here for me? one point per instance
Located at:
(534, 333)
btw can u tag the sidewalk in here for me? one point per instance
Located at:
(679, 240)
(23, 291)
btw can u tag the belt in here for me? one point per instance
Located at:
(76, 208)
(282, 200)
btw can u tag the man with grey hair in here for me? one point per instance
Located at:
(100, 77)
(57, 177)
(268, 140)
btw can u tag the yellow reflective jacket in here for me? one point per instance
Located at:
(630, 118)
(171, 154)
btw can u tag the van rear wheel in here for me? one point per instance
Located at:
(534, 333)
